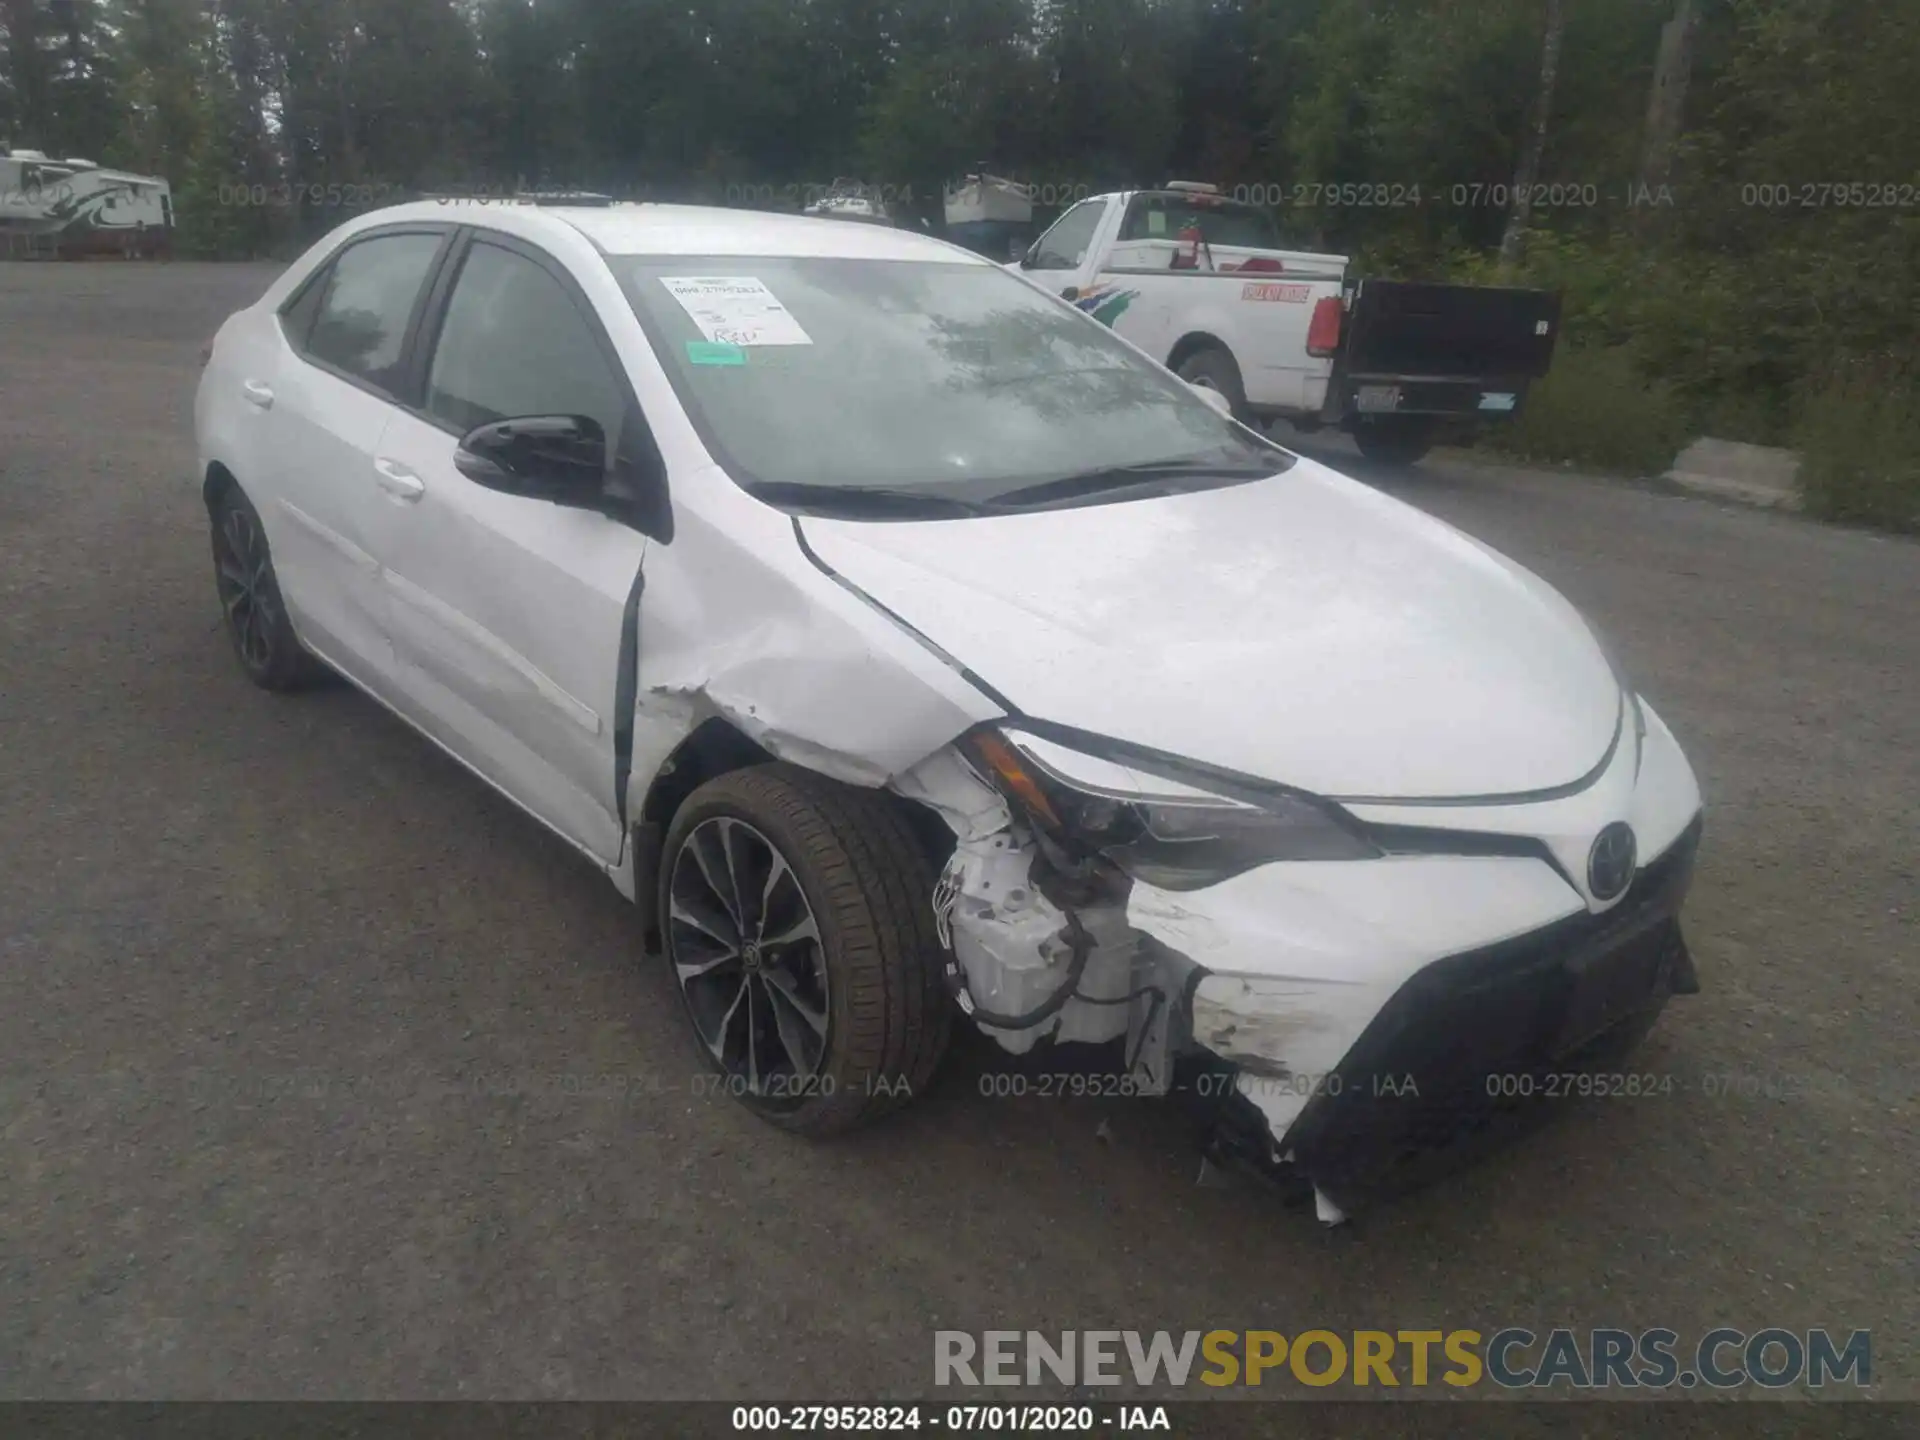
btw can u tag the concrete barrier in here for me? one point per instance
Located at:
(1730, 470)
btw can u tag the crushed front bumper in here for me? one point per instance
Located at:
(1477, 1047)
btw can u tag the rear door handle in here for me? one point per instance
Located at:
(258, 392)
(398, 481)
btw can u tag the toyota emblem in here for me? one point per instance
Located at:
(1610, 865)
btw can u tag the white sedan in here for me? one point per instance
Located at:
(908, 646)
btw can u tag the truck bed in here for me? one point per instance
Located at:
(1158, 255)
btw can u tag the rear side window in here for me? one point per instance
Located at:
(365, 303)
(1220, 222)
(297, 318)
(515, 344)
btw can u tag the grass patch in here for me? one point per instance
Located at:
(1860, 454)
(1595, 410)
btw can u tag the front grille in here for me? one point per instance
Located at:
(1413, 1095)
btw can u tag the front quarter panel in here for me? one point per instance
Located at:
(735, 622)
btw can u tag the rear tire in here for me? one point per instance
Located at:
(1396, 440)
(1214, 369)
(254, 613)
(867, 965)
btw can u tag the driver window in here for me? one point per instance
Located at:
(515, 344)
(1065, 246)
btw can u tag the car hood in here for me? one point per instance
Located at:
(1304, 629)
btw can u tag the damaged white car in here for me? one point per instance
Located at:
(909, 646)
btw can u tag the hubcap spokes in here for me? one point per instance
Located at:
(246, 588)
(746, 950)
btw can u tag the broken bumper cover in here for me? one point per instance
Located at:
(1383, 1080)
(1387, 1022)
(1474, 1048)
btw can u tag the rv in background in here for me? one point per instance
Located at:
(68, 208)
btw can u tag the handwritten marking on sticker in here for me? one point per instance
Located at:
(711, 352)
(1283, 294)
(735, 310)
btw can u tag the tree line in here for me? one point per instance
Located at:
(1727, 191)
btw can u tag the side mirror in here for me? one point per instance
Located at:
(1071, 293)
(1026, 258)
(1214, 398)
(559, 458)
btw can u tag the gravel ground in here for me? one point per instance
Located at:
(283, 993)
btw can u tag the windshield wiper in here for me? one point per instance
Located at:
(860, 502)
(1160, 475)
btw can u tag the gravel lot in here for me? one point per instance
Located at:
(272, 972)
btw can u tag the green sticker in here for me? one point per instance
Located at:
(712, 352)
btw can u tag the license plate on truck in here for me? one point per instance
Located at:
(1376, 398)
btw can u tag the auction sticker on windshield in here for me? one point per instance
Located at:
(735, 310)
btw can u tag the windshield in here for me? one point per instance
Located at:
(830, 384)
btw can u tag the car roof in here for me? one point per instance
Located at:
(649, 229)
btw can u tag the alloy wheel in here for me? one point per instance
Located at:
(247, 593)
(747, 953)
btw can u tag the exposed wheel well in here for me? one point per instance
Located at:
(712, 750)
(1192, 345)
(215, 487)
(716, 748)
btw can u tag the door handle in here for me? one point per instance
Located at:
(258, 393)
(398, 481)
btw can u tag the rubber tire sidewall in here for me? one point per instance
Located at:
(879, 1057)
(1217, 367)
(293, 666)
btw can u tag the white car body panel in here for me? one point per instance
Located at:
(325, 435)
(474, 582)
(1385, 654)
(1302, 630)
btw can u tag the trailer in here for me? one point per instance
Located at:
(66, 209)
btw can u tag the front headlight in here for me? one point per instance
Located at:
(1161, 829)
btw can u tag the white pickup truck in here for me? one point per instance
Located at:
(1202, 284)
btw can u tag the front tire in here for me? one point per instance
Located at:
(255, 615)
(797, 916)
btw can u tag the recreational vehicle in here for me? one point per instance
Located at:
(68, 208)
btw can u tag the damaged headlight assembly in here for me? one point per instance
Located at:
(1161, 822)
(1036, 916)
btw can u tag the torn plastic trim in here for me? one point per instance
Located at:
(947, 785)
(1284, 1037)
(1031, 956)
